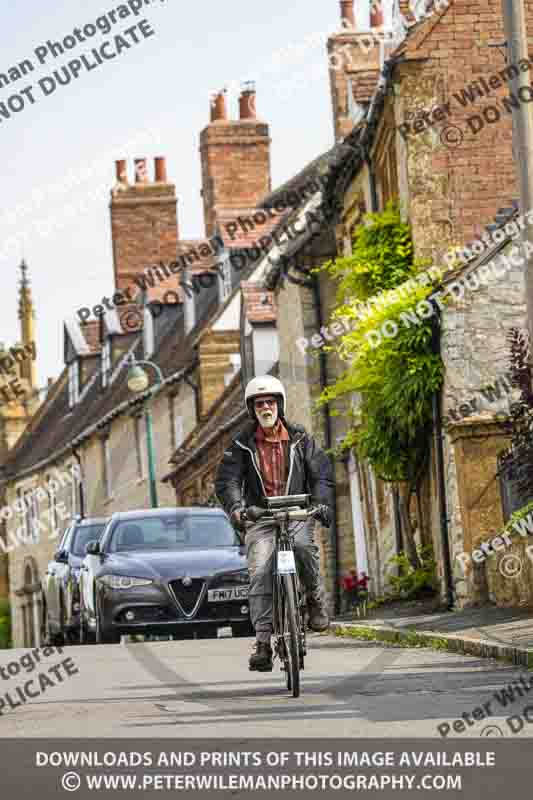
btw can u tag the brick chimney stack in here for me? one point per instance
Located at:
(160, 170)
(219, 112)
(247, 109)
(354, 63)
(347, 13)
(235, 157)
(144, 225)
(376, 13)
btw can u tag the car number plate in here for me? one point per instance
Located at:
(286, 564)
(230, 593)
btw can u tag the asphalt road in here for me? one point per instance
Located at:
(203, 688)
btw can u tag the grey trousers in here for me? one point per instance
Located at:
(260, 554)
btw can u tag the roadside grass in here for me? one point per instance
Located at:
(410, 638)
(407, 638)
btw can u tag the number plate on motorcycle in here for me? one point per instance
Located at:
(286, 565)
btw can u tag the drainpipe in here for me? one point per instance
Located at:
(328, 442)
(441, 480)
(373, 185)
(196, 391)
(80, 487)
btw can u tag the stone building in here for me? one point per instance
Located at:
(422, 136)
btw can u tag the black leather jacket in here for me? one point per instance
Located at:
(238, 481)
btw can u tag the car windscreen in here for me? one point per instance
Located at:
(176, 532)
(83, 535)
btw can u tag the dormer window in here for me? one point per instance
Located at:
(106, 362)
(73, 383)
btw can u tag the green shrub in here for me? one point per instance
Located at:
(5, 625)
(411, 582)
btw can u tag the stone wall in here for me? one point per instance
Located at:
(475, 354)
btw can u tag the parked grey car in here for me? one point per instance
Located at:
(61, 604)
(178, 571)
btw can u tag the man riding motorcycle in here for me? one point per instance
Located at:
(271, 457)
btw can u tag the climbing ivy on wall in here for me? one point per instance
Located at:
(396, 376)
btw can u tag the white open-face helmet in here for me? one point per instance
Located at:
(266, 384)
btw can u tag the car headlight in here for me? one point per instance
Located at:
(123, 581)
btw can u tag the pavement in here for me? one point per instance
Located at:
(489, 632)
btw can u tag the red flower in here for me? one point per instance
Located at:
(349, 583)
(352, 583)
(363, 581)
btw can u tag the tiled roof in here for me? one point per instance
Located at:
(259, 304)
(196, 255)
(314, 174)
(249, 229)
(55, 426)
(418, 31)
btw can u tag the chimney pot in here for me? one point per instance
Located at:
(347, 13)
(218, 106)
(247, 99)
(121, 168)
(160, 169)
(376, 14)
(141, 174)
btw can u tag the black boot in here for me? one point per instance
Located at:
(261, 658)
(318, 616)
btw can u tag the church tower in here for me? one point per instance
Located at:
(19, 395)
(27, 328)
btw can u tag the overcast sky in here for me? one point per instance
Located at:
(161, 85)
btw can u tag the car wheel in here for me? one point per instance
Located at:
(242, 629)
(48, 638)
(85, 636)
(102, 636)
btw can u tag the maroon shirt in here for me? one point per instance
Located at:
(273, 458)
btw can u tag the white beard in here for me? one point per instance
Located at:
(267, 417)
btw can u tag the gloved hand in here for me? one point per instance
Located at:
(323, 515)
